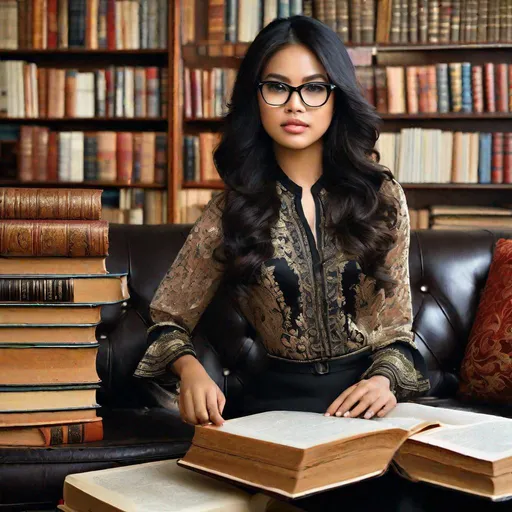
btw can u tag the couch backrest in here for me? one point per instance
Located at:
(448, 271)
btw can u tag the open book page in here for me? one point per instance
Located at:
(488, 441)
(440, 414)
(305, 429)
(162, 486)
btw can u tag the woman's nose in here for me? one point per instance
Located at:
(295, 102)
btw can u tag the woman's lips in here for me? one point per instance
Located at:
(294, 128)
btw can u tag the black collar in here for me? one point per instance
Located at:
(291, 186)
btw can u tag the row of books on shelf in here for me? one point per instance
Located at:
(134, 206)
(361, 22)
(198, 162)
(207, 91)
(105, 156)
(443, 88)
(418, 155)
(28, 90)
(53, 283)
(434, 21)
(90, 24)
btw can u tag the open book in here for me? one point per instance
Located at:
(294, 454)
(159, 487)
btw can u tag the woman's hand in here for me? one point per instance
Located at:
(372, 396)
(201, 400)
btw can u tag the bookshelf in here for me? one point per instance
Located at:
(191, 44)
(139, 41)
(199, 51)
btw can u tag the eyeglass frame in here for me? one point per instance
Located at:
(292, 89)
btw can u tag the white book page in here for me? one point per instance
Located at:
(161, 486)
(441, 414)
(489, 441)
(306, 429)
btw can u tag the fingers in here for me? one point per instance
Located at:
(388, 407)
(351, 400)
(375, 407)
(221, 400)
(336, 404)
(212, 405)
(187, 410)
(366, 401)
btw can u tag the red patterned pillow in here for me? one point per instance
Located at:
(486, 371)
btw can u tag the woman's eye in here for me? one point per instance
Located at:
(276, 87)
(314, 88)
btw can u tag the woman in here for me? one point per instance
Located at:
(311, 237)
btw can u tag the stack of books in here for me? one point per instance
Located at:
(53, 281)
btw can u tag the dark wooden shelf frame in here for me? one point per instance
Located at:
(81, 184)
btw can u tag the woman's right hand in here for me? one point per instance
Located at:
(201, 400)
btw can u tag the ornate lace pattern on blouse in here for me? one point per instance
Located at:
(311, 302)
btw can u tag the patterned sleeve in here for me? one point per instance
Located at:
(183, 294)
(395, 354)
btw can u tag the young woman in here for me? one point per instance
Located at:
(311, 236)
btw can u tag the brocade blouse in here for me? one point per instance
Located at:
(311, 301)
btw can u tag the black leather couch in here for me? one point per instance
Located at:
(448, 271)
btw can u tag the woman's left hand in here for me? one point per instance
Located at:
(372, 396)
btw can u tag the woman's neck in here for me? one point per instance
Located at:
(302, 166)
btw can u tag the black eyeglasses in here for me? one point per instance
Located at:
(312, 94)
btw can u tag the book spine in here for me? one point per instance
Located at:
(41, 203)
(73, 433)
(507, 158)
(36, 290)
(497, 158)
(72, 238)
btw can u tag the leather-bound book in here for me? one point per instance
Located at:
(477, 85)
(368, 21)
(482, 21)
(507, 158)
(356, 21)
(343, 19)
(216, 16)
(53, 435)
(497, 158)
(413, 91)
(71, 238)
(502, 87)
(490, 87)
(330, 14)
(445, 15)
(31, 332)
(433, 21)
(455, 21)
(493, 24)
(456, 85)
(381, 94)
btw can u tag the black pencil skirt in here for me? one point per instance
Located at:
(295, 386)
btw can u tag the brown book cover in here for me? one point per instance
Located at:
(216, 20)
(42, 91)
(95, 289)
(413, 90)
(23, 33)
(343, 20)
(381, 94)
(507, 159)
(41, 168)
(356, 35)
(433, 21)
(48, 314)
(107, 167)
(48, 203)
(52, 13)
(384, 14)
(31, 398)
(330, 14)
(493, 23)
(445, 15)
(39, 364)
(42, 266)
(147, 167)
(455, 21)
(404, 21)
(431, 88)
(73, 238)
(482, 21)
(38, 15)
(124, 157)
(455, 69)
(53, 157)
(497, 158)
(53, 435)
(63, 23)
(490, 87)
(43, 333)
(502, 87)
(25, 154)
(477, 74)
(70, 103)
(423, 103)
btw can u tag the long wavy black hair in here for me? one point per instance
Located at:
(357, 214)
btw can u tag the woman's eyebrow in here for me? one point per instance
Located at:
(286, 79)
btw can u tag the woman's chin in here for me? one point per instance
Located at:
(294, 142)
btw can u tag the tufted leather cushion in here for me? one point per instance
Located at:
(486, 369)
(448, 271)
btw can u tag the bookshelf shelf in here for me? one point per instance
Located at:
(408, 186)
(80, 51)
(430, 116)
(81, 184)
(97, 121)
(217, 185)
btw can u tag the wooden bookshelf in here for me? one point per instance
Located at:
(81, 184)
(86, 59)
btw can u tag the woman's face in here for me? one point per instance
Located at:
(295, 65)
